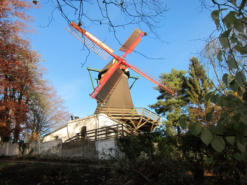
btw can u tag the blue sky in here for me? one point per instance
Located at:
(184, 28)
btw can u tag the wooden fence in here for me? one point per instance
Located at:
(113, 131)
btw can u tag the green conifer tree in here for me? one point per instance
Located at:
(171, 107)
(196, 86)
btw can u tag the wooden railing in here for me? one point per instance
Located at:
(147, 113)
(136, 112)
(113, 131)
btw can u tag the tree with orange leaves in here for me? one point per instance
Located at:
(20, 76)
(15, 68)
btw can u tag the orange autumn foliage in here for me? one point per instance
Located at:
(20, 74)
(15, 76)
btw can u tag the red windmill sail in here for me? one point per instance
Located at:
(110, 78)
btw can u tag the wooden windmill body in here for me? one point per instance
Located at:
(112, 92)
(116, 93)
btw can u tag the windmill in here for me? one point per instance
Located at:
(112, 91)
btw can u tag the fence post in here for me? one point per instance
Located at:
(83, 148)
(122, 130)
(106, 132)
(39, 147)
(117, 131)
(95, 134)
(7, 149)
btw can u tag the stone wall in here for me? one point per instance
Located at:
(102, 149)
(49, 149)
(80, 149)
(9, 149)
(106, 149)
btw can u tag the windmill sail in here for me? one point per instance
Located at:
(103, 50)
(111, 71)
(163, 85)
(132, 41)
(109, 85)
(90, 41)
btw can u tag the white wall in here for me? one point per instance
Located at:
(74, 126)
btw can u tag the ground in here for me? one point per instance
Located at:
(47, 172)
(18, 172)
